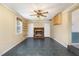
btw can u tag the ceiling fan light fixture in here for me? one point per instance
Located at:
(40, 13)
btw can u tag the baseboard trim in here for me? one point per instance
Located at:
(60, 43)
(11, 47)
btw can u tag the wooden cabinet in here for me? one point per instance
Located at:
(57, 19)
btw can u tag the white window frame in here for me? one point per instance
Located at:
(19, 26)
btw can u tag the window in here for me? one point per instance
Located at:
(19, 26)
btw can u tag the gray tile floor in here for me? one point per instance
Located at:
(37, 47)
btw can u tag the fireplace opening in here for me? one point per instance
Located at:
(39, 33)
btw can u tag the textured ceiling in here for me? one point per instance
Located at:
(26, 9)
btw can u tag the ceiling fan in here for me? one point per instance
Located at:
(40, 13)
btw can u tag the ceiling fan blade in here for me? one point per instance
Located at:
(44, 12)
(33, 15)
(35, 11)
(43, 15)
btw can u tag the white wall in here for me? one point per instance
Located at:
(8, 37)
(62, 33)
(75, 21)
(47, 29)
(46, 26)
(30, 29)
